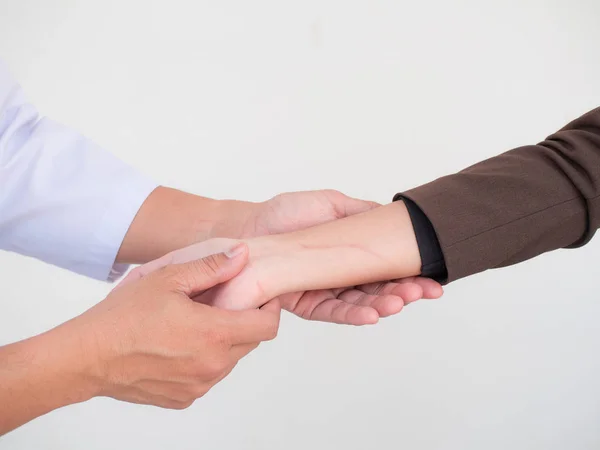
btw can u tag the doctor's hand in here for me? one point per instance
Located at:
(154, 345)
(147, 342)
(293, 211)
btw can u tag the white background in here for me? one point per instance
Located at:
(244, 100)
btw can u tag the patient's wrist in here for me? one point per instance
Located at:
(273, 259)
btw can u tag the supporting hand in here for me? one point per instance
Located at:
(159, 347)
(147, 342)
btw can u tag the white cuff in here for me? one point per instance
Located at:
(124, 202)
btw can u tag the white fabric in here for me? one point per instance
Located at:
(63, 199)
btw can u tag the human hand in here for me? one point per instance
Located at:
(293, 211)
(150, 343)
(360, 305)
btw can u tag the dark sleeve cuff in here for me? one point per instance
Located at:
(432, 259)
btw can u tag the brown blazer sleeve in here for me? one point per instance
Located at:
(519, 204)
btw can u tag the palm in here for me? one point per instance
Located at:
(360, 305)
(354, 305)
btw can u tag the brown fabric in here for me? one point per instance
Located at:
(519, 204)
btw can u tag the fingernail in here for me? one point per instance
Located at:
(235, 251)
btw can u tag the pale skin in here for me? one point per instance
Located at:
(134, 326)
(309, 269)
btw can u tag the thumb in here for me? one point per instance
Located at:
(348, 206)
(141, 271)
(272, 306)
(255, 325)
(201, 274)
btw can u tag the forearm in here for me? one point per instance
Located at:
(41, 374)
(170, 219)
(373, 246)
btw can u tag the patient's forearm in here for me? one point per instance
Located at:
(373, 246)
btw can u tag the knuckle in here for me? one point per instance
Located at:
(216, 366)
(272, 332)
(181, 405)
(210, 265)
(176, 277)
(332, 192)
(278, 198)
(210, 367)
(199, 391)
(198, 271)
(221, 365)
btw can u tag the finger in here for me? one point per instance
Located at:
(142, 271)
(341, 312)
(196, 251)
(348, 206)
(386, 304)
(431, 288)
(255, 325)
(409, 292)
(303, 303)
(196, 276)
(324, 306)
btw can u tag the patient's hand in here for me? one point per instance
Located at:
(255, 286)
(266, 277)
(356, 305)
